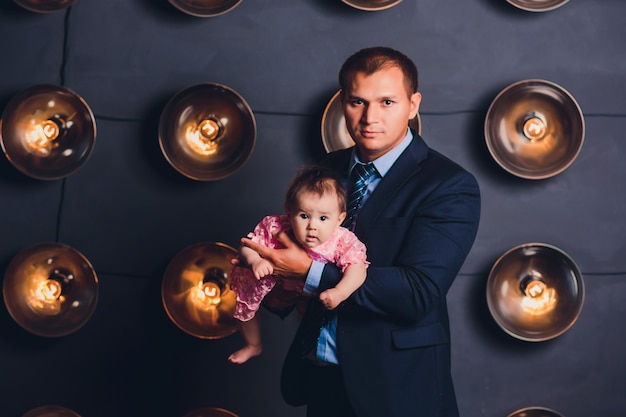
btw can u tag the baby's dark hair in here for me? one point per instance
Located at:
(316, 179)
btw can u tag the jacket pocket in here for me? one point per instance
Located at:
(421, 336)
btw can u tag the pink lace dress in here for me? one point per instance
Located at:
(343, 248)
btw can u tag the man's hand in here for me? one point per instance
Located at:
(292, 262)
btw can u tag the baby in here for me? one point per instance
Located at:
(315, 207)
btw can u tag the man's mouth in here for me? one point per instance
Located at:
(369, 133)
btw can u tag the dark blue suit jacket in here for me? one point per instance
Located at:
(393, 336)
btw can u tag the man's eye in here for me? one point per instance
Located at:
(388, 102)
(357, 102)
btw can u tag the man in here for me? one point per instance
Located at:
(385, 352)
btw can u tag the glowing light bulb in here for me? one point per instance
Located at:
(534, 128)
(49, 290)
(206, 295)
(202, 138)
(538, 298)
(40, 139)
(45, 296)
(209, 129)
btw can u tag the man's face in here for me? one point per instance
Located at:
(377, 111)
(316, 218)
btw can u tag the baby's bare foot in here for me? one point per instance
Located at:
(245, 353)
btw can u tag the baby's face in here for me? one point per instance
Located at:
(316, 218)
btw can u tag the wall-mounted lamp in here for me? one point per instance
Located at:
(335, 134)
(210, 412)
(50, 289)
(537, 5)
(535, 412)
(205, 8)
(45, 6)
(47, 132)
(371, 5)
(196, 291)
(535, 292)
(207, 131)
(50, 411)
(534, 129)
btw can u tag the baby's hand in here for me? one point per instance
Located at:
(331, 298)
(262, 268)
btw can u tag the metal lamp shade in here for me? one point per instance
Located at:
(535, 292)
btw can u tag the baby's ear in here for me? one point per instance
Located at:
(342, 217)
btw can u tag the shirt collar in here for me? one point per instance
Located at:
(384, 163)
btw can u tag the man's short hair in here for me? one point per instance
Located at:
(370, 60)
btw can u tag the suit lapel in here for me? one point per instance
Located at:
(406, 166)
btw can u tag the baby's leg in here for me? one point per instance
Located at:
(251, 332)
(352, 279)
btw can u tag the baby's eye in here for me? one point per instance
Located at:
(304, 216)
(324, 218)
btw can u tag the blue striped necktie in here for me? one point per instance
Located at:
(360, 175)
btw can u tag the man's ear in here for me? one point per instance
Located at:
(415, 100)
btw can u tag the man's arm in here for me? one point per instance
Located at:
(416, 257)
(291, 262)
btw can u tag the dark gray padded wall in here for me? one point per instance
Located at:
(130, 213)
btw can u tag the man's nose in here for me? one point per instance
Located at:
(369, 114)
